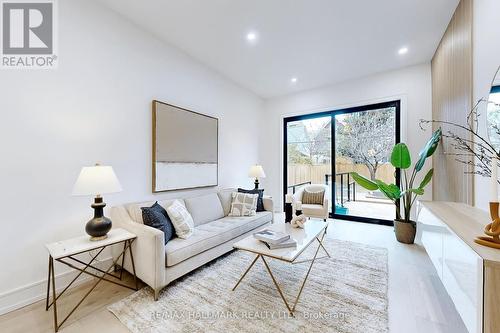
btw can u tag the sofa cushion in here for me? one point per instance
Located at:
(206, 208)
(260, 192)
(310, 209)
(243, 204)
(135, 212)
(313, 198)
(156, 216)
(226, 199)
(181, 219)
(211, 234)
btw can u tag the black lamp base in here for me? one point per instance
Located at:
(100, 225)
(256, 184)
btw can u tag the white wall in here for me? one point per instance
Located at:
(412, 85)
(97, 107)
(486, 54)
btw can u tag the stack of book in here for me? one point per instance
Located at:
(275, 239)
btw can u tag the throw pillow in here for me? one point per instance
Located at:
(260, 202)
(181, 219)
(156, 216)
(243, 204)
(313, 198)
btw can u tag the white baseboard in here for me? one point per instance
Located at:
(34, 292)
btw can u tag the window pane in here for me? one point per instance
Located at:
(308, 153)
(363, 144)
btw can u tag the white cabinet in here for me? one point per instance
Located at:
(447, 231)
(463, 278)
(432, 232)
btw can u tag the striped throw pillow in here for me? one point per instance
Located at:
(313, 198)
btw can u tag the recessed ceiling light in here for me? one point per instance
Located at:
(252, 37)
(293, 80)
(403, 50)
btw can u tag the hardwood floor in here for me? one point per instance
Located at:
(418, 301)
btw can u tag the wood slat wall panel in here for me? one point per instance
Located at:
(452, 101)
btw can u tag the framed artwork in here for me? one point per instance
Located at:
(185, 148)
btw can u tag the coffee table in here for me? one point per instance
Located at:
(314, 230)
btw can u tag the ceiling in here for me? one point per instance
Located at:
(319, 42)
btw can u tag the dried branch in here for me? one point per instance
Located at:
(478, 148)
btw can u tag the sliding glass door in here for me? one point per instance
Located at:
(361, 139)
(308, 153)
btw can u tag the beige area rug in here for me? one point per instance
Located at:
(347, 293)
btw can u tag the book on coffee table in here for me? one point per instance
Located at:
(285, 244)
(271, 236)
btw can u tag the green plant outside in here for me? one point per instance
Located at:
(405, 196)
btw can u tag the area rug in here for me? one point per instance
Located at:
(344, 293)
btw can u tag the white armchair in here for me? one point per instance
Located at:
(313, 210)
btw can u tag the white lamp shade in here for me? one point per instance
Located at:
(256, 171)
(94, 180)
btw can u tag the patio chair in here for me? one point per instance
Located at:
(313, 209)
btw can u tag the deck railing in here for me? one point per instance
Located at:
(293, 187)
(345, 185)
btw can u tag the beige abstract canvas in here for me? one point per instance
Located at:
(185, 148)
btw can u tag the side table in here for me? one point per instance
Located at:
(65, 252)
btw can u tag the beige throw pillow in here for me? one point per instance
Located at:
(243, 204)
(181, 219)
(313, 198)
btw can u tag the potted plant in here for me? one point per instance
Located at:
(404, 196)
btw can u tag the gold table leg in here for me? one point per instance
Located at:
(54, 298)
(320, 241)
(82, 270)
(291, 310)
(277, 286)
(307, 275)
(48, 284)
(248, 269)
(133, 264)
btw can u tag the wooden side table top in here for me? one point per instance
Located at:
(82, 244)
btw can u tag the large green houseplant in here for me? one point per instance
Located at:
(404, 196)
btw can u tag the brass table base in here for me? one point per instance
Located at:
(51, 282)
(290, 307)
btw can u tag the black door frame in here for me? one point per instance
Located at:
(396, 104)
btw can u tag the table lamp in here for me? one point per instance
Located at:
(256, 172)
(97, 180)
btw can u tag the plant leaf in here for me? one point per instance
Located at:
(390, 191)
(364, 182)
(400, 157)
(426, 179)
(394, 189)
(429, 149)
(418, 191)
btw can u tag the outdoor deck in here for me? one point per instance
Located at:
(372, 208)
(363, 204)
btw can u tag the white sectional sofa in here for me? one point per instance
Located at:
(157, 264)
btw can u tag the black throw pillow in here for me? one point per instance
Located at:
(156, 216)
(260, 202)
